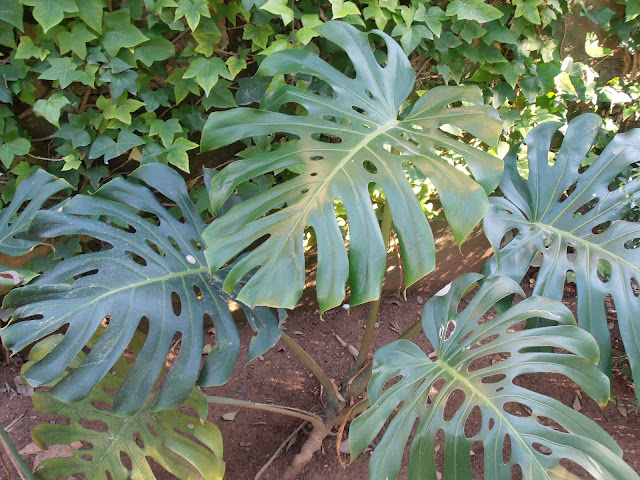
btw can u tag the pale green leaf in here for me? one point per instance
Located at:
(50, 108)
(340, 140)
(166, 436)
(119, 32)
(192, 10)
(476, 10)
(49, 13)
(207, 71)
(76, 40)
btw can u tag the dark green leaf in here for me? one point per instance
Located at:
(29, 196)
(573, 218)
(152, 255)
(11, 12)
(480, 361)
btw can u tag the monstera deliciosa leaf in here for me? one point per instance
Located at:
(354, 136)
(572, 216)
(468, 393)
(152, 270)
(108, 438)
(29, 197)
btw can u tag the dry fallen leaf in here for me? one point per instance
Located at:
(206, 349)
(344, 447)
(54, 451)
(22, 388)
(30, 449)
(577, 406)
(621, 408)
(231, 416)
(420, 300)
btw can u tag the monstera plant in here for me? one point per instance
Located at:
(156, 266)
(353, 132)
(571, 211)
(480, 362)
(150, 269)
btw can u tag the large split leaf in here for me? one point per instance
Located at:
(153, 270)
(349, 139)
(475, 369)
(573, 218)
(108, 438)
(14, 219)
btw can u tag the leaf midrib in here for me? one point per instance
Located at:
(381, 130)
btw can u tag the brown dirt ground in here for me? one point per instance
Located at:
(253, 436)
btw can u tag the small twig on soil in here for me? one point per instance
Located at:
(13, 422)
(279, 450)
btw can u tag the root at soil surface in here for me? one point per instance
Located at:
(311, 446)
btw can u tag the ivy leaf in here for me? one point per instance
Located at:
(154, 98)
(111, 149)
(259, 35)
(75, 131)
(475, 10)
(341, 9)
(182, 86)
(529, 10)
(49, 13)
(119, 82)
(121, 110)
(208, 36)
(220, 97)
(206, 72)
(177, 154)
(11, 12)
(236, 65)
(192, 10)
(433, 18)
(50, 108)
(76, 40)
(155, 50)
(27, 49)
(119, 32)
(13, 145)
(281, 9)
(165, 130)
(91, 12)
(65, 71)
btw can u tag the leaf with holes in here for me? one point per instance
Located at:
(28, 199)
(117, 447)
(468, 393)
(573, 218)
(347, 140)
(151, 269)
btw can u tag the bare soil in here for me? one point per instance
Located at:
(280, 378)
